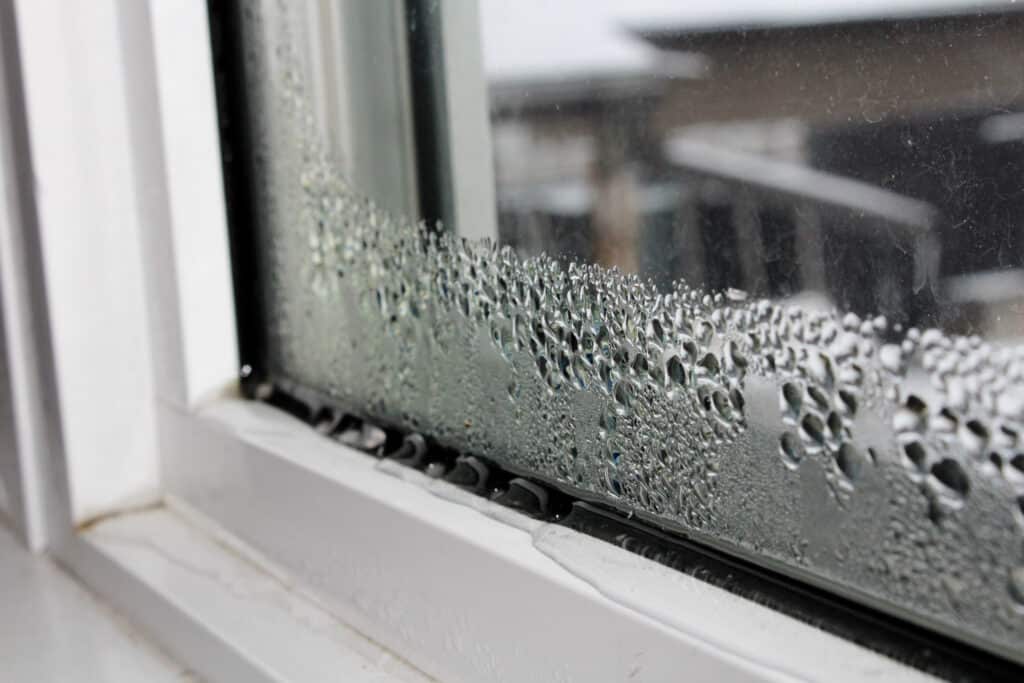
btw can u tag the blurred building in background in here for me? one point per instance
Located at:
(847, 156)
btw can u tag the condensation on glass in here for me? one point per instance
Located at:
(758, 282)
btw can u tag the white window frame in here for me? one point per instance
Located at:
(132, 407)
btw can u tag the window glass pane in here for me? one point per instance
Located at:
(864, 155)
(757, 276)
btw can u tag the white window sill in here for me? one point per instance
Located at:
(460, 587)
(54, 630)
(252, 625)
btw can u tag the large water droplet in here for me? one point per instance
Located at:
(849, 460)
(790, 450)
(676, 371)
(624, 393)
(952, 476)
(792, 399)
(1016, 586)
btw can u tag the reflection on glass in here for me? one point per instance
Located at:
(866, 156)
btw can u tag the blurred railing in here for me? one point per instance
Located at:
(781, 229)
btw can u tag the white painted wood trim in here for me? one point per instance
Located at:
(32, 462)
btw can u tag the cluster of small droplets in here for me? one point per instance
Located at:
(642, 396)
(586, 328)
(974, 420)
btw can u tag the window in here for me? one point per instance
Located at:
(749, 274)
(728, 287)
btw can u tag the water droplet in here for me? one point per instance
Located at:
(835, 425)
(722, 404)
(1016, 586)
(738, 402)
(916, 454)
(607, 421)
(819, 397)
(736, 357)
(849, 460)
(951, 475)
(1010, 404)
(974, 437)
(624, 393)
(790, 450)
(709, 364)
(812, 429)
(912, 416)
(735, 295)
(891, 358)
(792, 399)
(542, 365)
(819, 367)
(676, 371)
(847, 403)
(944, 421)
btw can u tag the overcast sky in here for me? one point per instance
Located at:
(531, 38)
